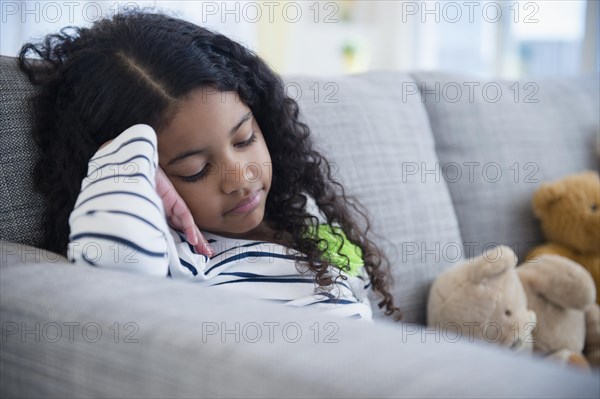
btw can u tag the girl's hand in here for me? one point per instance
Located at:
(178, 214)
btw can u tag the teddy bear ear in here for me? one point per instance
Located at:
(493, 263)
(546, 196)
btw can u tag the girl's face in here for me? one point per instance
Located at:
(214, 153)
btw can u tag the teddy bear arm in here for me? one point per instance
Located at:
(591, 263)
(559, 280)
(592, 337)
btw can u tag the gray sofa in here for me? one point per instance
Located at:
(443, 175)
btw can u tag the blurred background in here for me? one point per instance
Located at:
(507, 39)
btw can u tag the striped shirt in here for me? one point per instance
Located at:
(118, 222)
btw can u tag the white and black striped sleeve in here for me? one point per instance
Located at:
(118, 220)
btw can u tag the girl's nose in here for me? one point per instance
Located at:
(235, 175)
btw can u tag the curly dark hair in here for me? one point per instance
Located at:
(148, 61)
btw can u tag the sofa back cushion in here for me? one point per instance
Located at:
(499, 140)
(20, 206)
(375, 140)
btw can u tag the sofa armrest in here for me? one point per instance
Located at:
(73, 331)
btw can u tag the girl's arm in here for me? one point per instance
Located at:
(119, 220)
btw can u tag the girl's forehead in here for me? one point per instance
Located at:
(211, 93)
(210, 101)
(203, 116)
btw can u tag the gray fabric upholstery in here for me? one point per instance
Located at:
(169, 349)
(527, 142)
(374, 139)
(20, 207)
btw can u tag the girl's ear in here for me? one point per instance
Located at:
(546, 196)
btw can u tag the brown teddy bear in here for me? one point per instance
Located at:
(483, 299)
(562, 293)
(570, 220)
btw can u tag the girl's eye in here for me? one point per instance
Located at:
(204, 171)
(197, 176)
(248, 142)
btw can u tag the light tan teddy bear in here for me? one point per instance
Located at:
(545, 305)
(568, 210)
(484, 299)
(562, 293)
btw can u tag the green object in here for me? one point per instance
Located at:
(332, 245)
(349, 49)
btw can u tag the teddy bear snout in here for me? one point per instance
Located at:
(523, 340)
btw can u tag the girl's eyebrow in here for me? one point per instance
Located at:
(189, 153)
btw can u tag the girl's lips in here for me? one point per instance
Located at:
(247, 204)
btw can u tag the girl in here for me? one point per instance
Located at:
(149, 126)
